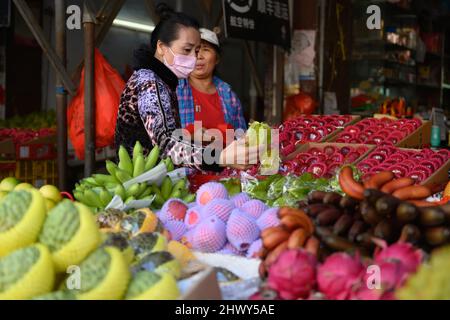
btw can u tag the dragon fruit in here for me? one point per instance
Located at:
(220, 208)
(176, 229)
(173, 209)
(209, 236)
(293, 275)
(242, 230)
(193, 217)
(240, 199)
(338, 275)
(254, 249)
(255, 208)
(268, 219)
(210, 191)
(401, 252)
(392, 276)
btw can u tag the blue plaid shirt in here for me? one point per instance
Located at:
(231, 104)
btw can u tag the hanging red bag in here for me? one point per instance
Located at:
(108, 89)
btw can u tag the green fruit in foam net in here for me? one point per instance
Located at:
(147, 285)
(22, 214)
(26, 273)
(58, 295)
(119, 241)
(70, 232)
(104, 276)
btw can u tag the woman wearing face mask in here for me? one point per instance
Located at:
(148, 110)
(206, 98)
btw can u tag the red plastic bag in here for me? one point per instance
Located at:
(108, 89)
(299, 104)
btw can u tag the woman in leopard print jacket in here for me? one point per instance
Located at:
(148, 110)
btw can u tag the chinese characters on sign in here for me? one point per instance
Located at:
(259, 20)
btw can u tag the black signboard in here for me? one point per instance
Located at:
(258, 20)
(5, 13)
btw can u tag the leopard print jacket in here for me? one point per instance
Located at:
(148, 113)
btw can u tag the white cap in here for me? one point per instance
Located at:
(209, 36)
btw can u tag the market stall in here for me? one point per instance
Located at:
(333, 210)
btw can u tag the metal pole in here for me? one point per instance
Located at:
(278, 85)
(322, 54)
(89, 91)
(61, 93)
(254, 69)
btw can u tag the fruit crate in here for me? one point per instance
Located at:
(37, 149)
(37, 172)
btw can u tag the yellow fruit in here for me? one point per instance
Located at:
(8, 184)
(26, 230)
(37, 280)
(115, 283)
(165, 288)
(23, 186)
(49, 204)
(3, 194)
(51, 192)
(150, 222)
(180, 252)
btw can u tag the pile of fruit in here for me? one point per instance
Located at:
(308, 129)
(35, 120)
(217, 223)
(419, 165)
(21, 136)
(97, 191)
(383, 208)
(39, 247)
(323, 161)
(297, 274)
(379, 131)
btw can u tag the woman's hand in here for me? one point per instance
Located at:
(238, 155)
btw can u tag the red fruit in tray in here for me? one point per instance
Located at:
(333, 168)
(410, 163)
(352, 157)
(419, 176)
(345, 150)
(389, 163)
(318, 169)
(315, 137)
(377, 139)
(439, 157)
(362, 150)
(337, 157)
(363, 166)
(409, 128)
(427, 170)
(314, 125)
(314, 151)
(341, 140)
(302, 157)
(399, 171)
(378, 156)
(329, 128)
(398, 157)
(320, 158)
(429, 164)
(353, 130)
(329, 150)
(376, 170)
(347, 136)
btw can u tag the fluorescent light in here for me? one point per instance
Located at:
(133, 25)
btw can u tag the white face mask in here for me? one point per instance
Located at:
(182, 65)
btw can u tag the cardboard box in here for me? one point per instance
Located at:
(419, 138)
(437, 180)
(37, 149)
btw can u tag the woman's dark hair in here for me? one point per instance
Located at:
(165, 31)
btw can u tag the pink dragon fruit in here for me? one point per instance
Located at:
(221, 208)
(228, 249)
(242, 230)
(403, 252)
(193, 217)
(255, 248)
(293, 275)
(338, 275)
(210, 191)
(268, 219)
(177, 229)
(239, 199)
(255, 208)
(209, 236)
(173, 209)
(393, 275)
